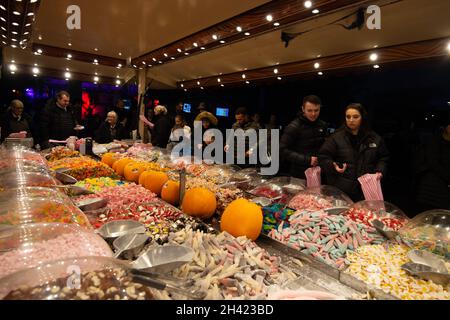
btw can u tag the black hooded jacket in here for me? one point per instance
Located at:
(365, 153)
(300, 141)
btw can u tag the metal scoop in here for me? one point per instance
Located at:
(91, 204)
(130, 244)
(336, 210)
(380, 227)
(114, 229)
(427, 273)
(153, 283)
(74, 190)
(163, 259)
(428, 259)
(65, 178)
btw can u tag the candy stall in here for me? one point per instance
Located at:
(137, 224)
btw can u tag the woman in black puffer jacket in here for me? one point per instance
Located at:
(353, 151)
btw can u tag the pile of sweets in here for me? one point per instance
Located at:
(380, 267)
(325, 237)
(83, 167)
(366, 216)
(99, 184)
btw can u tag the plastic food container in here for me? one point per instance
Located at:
(27, 246)
(86, 278)
(289, 185)
(267, 190)
(367, 211)
(319, 198)
(429, 231)
(26, 179)
(25, 210)
(247, 179)
(32, 193)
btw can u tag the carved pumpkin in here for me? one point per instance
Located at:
(109, 158)
(133, 170)
(171, 192)
(119, 165)
(199, 202)
(242, 218)
(155, 180)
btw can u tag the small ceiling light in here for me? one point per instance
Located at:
(69, 56)
(247, 82)
(2, 7)
(40, 37)
(3, 19)
(25, 33)
(307, 4)
(238, 29)
(218, 80)
(30, 14)
(160, 62)
(179, 50)
(316, 65)
(198, 82)
(35, 64)
(375, 46)
(15, 24)
(28, 24)
(222, 85)
(315, 11)
(154, 59)
(320, 73)
(376, 66)
(276, 24)
(118, 82)
(96, 74)
(95, 61)
(3, 28)
(186, 53)
(143, 62)
(17, 13)
(269, 17)
(373, 57)
(95, 49)
(69, 44)
(172, 58)
(182, 85)
(96, 79)
(244, 76)
(35, 70)
(203, 48)
(195, 44)
(215, 37)
(185, 90)
(279, 78)
(67, 69)
(448, 47)
(119, 65)
(67, 75)
(222, 41)
(275, 71)
(117, 77)
(166, 55)
(13, 46)
(247, 33)
(202, 88)
(12, 67)
(120, 53)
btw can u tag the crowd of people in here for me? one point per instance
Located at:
(350, 152)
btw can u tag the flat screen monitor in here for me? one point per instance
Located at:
(127, 104)
(187, 107)
(222, 112)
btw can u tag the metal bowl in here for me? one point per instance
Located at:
(164, 259)
(134, 243)
(114, 229)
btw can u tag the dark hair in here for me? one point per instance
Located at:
(62, 93)
(241, 111)
(364, 115)
(202, 106)
(312, 99)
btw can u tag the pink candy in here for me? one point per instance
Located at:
(309, 202)
(69, 245)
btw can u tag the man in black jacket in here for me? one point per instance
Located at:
(57, 121)
(16, 121)
(303, 137)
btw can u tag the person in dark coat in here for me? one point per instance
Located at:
(303, 137)
(353, 151)
(15, 121)
(433, 190)
(57, 120)
(124, 116)
(110, 130)
(161, 127)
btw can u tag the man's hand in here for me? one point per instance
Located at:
(314, 161)
(379, 175)
(338, 169)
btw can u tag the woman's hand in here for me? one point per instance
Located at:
(379, 175)
(339, 169)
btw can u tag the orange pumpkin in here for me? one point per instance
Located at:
(144, 175)
(242, 218)
(155, 181)
(171, 192)
(199, 202)
(133, 170)
(109, 158)
(119, 165)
